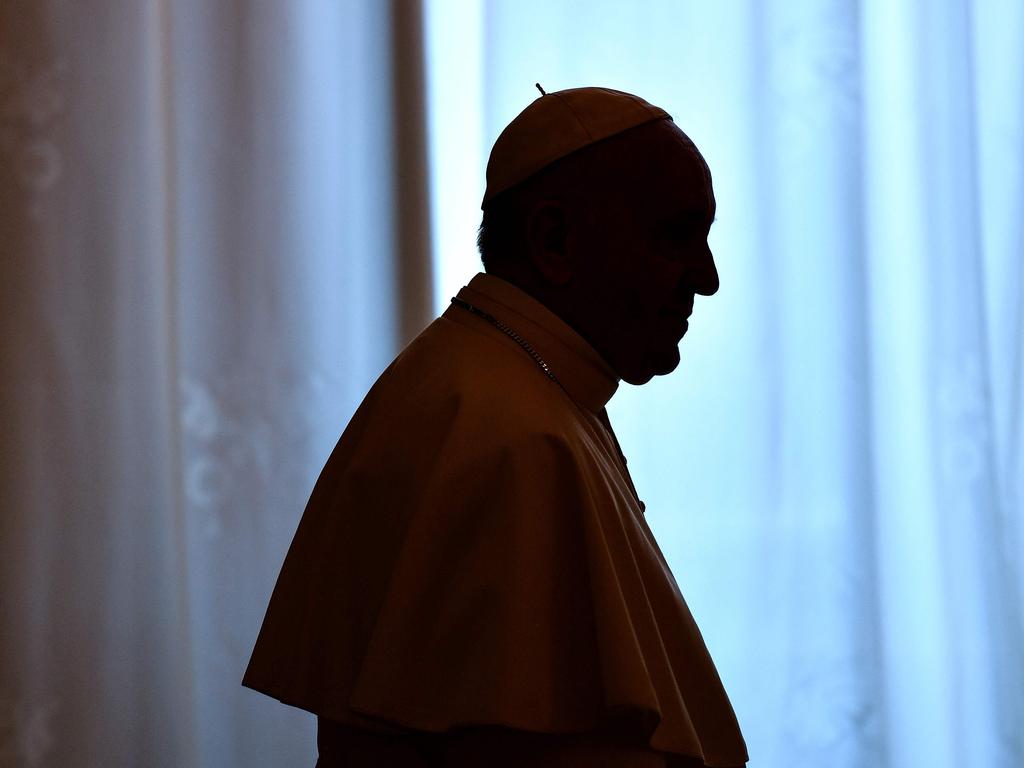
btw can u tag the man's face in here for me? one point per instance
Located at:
(647, 254)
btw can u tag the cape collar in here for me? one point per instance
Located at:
(586, 376)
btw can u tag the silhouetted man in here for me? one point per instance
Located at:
(473, 582)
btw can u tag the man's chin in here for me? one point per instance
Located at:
(659, 365)
(669, 363)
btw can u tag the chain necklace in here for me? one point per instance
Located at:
(550, 374)
(512, 335)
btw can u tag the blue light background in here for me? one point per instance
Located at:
(834, 472)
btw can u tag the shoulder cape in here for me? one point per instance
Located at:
(468, 561)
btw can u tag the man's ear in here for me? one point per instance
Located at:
(546, 241)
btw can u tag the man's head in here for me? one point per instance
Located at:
(612, 237)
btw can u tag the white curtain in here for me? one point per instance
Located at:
(210, 244)
(835, 471)
(198, 281)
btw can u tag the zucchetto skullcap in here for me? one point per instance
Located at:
(558, 124)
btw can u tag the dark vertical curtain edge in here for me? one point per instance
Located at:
(413, 268)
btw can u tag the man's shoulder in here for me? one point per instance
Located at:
(456, 393)
(454, 369)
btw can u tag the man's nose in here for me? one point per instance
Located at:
(705, 276)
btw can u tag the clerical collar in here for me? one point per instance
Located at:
(583, 373)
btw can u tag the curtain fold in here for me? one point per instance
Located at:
(411, 179)
(203, 269)
(948, 558)
(834, 471)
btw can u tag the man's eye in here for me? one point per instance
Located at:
(682, 236)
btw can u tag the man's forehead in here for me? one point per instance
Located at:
(673, 170)
(669, 142)
(685, 143)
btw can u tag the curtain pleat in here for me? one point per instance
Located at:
(201, 272)
(834, 470)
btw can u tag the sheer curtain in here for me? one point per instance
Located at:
(213, 236)
(199, 279)
(835, 470)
